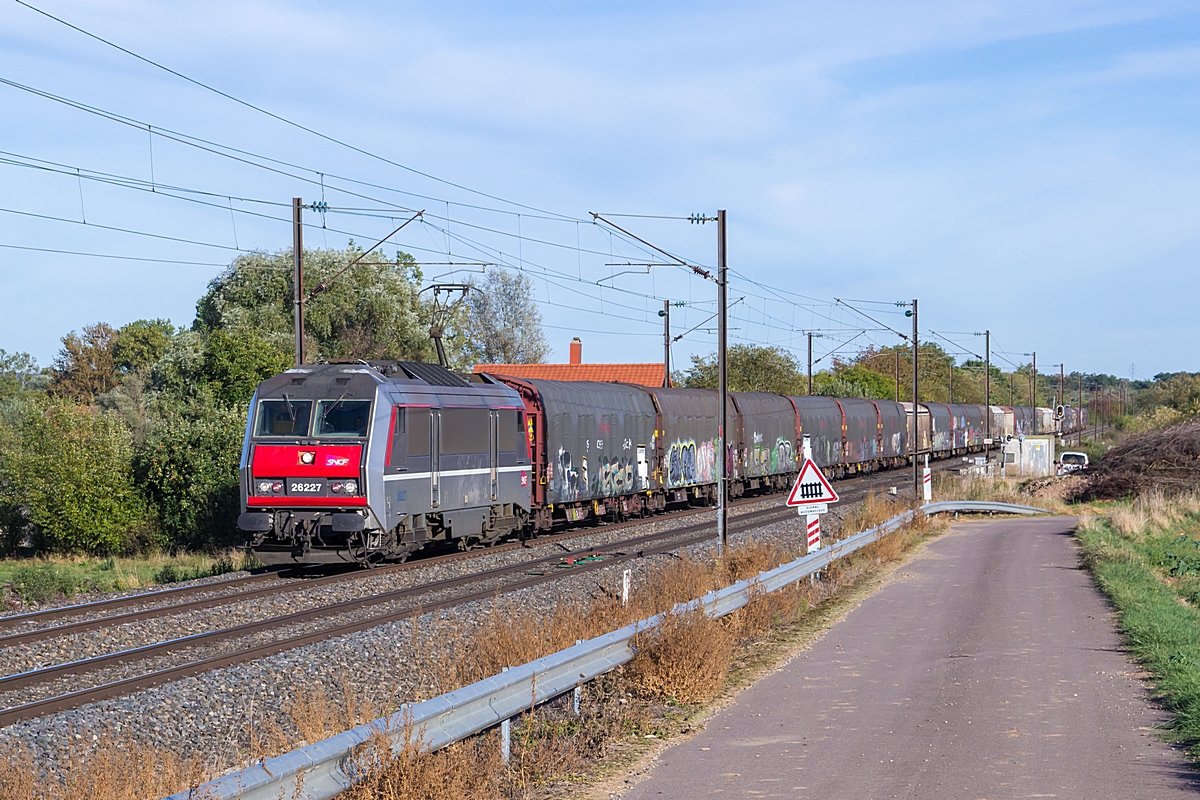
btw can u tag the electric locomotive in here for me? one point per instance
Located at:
(369, 461)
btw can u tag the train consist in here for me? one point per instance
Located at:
(365, 462)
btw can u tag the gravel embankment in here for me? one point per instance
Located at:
(217, 713)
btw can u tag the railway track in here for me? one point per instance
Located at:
(234, 590)
(478, 586)
(396, 604)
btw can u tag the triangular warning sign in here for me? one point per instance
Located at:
(811, 487)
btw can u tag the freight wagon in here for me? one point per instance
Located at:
(366, 462)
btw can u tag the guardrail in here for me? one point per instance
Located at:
(326, 769)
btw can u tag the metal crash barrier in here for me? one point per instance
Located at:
(327, 768)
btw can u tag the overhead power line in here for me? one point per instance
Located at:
(122, 258)
(273, 115)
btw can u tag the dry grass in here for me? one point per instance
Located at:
(115, 770)
(683, 662)
(947, 486)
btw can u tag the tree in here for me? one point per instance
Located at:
(140, 344)
(65, 474)
(751, 368)
(853, 381)
(19, 372)
(85, 367)
(502, 324)
(189, 469)
(235, 362)
(372, 311)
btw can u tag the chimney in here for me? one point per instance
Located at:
(576, 351)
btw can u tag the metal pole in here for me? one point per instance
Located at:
(915, 389)
(1033, 387)
(722, 385)
(298, 276)
(1081, 427)
(987, 387)
(1062, 392)
(666, 342)
(810, 364)
(951, 379)
(897, 374)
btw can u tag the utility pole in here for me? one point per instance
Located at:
(917, 485)
(1033, 385)
(666, 315)
(1011, 395)
(987, 389)
(722, 386)
(810, 364)
(1062, 391)
(1080, 406)
(298, 275)
(951, 379)
(897, 374)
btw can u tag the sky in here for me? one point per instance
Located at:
(1029, 168)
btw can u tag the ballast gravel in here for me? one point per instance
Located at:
(217, 714)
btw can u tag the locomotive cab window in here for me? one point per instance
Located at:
(343, 417)
(283, 417)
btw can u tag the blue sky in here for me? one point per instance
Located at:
(1028, 167)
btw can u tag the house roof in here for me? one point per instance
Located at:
(640, 374)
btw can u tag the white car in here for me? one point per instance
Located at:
(1071, 461)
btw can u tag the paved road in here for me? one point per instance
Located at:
(988, 668)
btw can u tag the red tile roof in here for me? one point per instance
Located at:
(641, 374)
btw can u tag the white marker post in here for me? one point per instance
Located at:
(811, 495)
(927, 480)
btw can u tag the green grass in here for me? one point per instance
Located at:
(1153, 579)
(36, 580)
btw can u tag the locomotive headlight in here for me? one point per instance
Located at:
(277, 487)
(308, 457)
(264, 487)
(350, 486)
(337, 487)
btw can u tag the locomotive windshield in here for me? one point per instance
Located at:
(284, 417)
(343, 417)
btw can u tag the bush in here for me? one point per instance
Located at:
(37, 583)
(65, 474)
(189, 468)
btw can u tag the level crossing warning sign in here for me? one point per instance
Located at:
(812, 488)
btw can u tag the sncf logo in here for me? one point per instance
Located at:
(336, 461)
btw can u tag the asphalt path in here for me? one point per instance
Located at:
(987, 667)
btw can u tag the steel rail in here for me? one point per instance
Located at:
(694, 534)
(327, 768)
(302, 584)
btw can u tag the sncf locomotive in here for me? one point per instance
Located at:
(370, 461)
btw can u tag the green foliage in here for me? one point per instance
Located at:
(140, 344)
(371, 311)
(752, 368)
(1179, 392)
(189, 469)
(65, 472)
(854, 381)
(19, 372)
(236, 361)
(37, 583)
(1163, 634)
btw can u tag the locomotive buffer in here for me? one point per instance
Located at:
(812, 495)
